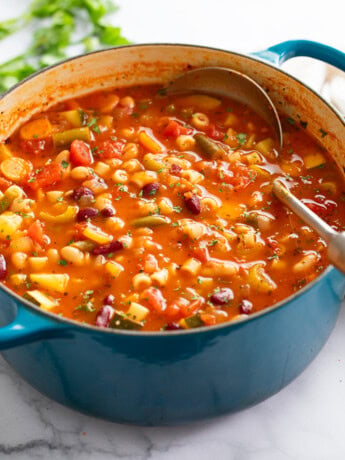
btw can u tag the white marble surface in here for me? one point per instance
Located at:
(305, 421)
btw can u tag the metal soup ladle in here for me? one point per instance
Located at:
(239, 87)
(232, 84)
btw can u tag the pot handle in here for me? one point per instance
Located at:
(29, 326)
(284, 51)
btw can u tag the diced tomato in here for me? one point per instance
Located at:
(324, 210)
(201, 253)
(208, 319)
(35, 146)
(192, 307)
(121, 112)
(4, 183)
(150, 264)
(36, 233)
(48, 175)
(175, 169)
(240, 182)
(78, 231)
(174, 129)
(172, 310)
(214, 133)
(110, 149)
(239, 177)
(156, 299)
(80, 153)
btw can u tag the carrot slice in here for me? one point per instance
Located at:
(4, 183)
(156, 299)
(208, 319)
(36, 129)
(36, 233)
(150, 143)
(15, 169)
(80, 153)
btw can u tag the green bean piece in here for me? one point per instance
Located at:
(66, 138)
(150, 221)
(211, 148)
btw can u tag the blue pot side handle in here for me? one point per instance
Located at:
(284, 51)
(28, 326)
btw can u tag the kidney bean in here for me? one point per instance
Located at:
(109, 300)
(86, 213)
(81, 192)
(172, 327)
(107, 248)
(3, 267)
(104, 316)
(175, 169)
(193, 204)
(150, 190)
(108, 212)
(222, 297)
(245, 306)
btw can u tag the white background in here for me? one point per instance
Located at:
(305, 421)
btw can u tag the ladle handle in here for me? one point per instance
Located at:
(284, 51)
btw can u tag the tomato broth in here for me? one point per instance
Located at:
(132, 209)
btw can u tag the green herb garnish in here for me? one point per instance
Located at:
(242, 138)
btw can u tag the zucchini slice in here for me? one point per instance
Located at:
(122, 321)
(42, 300)
(192, 321)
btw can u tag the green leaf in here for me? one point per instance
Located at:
(97, 9)
(242, 138)
(55, 37)
(110, 35)
(55, 23)
(46, 8)
(91, 43)
(9, 27)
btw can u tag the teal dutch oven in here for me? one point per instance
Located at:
(164, 378)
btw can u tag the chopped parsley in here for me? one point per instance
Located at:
(242, 138)
(93, 125)
(162, 91)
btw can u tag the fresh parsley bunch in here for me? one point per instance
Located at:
(57, 25)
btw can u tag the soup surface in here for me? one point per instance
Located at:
(131, 209)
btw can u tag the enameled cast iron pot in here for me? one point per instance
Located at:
(169, 378)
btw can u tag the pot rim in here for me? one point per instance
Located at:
(226, 325)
